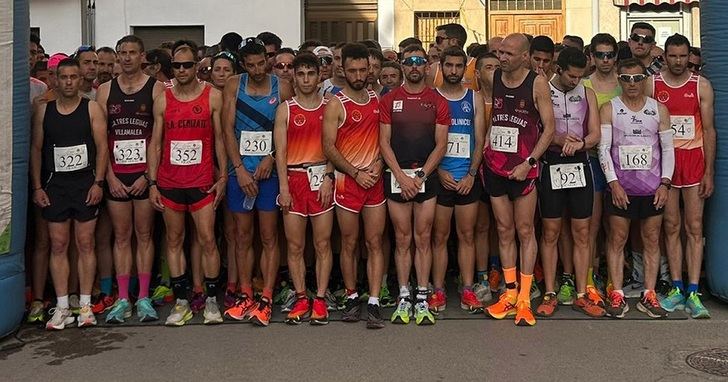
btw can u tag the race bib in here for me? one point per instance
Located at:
(71, 158)
(635, 157)
(132, 151)
(316, 175)
(504, 139)
(256, 143)
(185, 153)
(683, 126)
(458, 145)
(567, 175)
(396, 189)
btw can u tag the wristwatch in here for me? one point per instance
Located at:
(331, 175)
(667, 185)
(99, 183)
(532, 162)
(152, 183)
(473, 172)
(421, 174)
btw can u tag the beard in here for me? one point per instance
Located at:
(356, 85)
(453, 79)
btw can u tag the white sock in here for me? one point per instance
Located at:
(353, 296)
(421, 293)
(62, 302)
(84, 299)
(373, 300)
(404, 291)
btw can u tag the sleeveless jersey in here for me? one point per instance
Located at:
(358, 135)
(129, 127)
(515, 126)
(634, 136)
(683, 103)
(571, 113)
(188, 144)
(303, 142)
(255, 113)
(461, 135)
(65, 139)
(602, 98)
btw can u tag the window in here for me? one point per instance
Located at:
(427, 22)
(156, 35)
(525, 5)
(333, 21)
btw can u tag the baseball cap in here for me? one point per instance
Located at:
(56, 59)
(323, 51)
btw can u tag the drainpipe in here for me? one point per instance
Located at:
(595, 17)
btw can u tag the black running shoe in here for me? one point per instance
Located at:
(374, 317)
(352, 310)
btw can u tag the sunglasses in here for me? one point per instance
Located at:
(147, 64)
(695, 67)
(642, 38)
(326, 60)
(204, 70)
(252, 40)
(440, 39)
(414, 61)
(634, 78)
(605, 55)
(281, 66)
(185, 64)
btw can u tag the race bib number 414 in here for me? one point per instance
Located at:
(256, 143)
(504, 139)
(185, 153)
(71, 158)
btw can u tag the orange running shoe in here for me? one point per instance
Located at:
(504, 307)
(437, 301)
(241, 309)
(319, 312)
(260, 315)
(587, 306)
(549, 305)
(301, 311)
(469, 301)
(594, 296)
(103, 304)
(524, 316)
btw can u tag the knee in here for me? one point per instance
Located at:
(506, 233)
(85, 244)
(269, 239)
(373, 244)
(580, 235)
(403, 240)
(671, 225)
(466, 236)
(617, 238)
(348, 243)
(694, 229)
(295, 249)
(549, 236)
(143, 234)
(322, 246)
(59, 245)
(439, 238)
(525, 230)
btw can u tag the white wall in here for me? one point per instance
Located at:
(59, 22)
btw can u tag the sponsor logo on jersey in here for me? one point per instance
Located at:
(466, 106)
(497, 103)
(272, 100)
(650, 112)
(197, 109)
(356, 115)
(397, 106)
(663, 96)
(114, 108)
(299, 120)
(575, 98)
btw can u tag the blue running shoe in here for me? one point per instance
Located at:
(145, 310)
(695, 307)
(119, 312)
(674, 300)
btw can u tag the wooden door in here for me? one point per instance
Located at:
(540, 25)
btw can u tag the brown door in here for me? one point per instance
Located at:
(551, 25)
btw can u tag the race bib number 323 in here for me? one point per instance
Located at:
(133, 151)
(185, 153)
(71, 158)
(256, 143)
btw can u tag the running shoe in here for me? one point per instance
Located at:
(145, 310)
(549, 305)
(301, 311)
(162, 295)
(649, 305)
(674, 300)
(695, 307)
(618, 306)
(74, 304)
(385, 298)
(262, 312)
(36, 312)
(663, 287)
(212, 312)
(504, 307)
(241, 309)
(332, 304)
(599, 283)
(423, 315)
(103, 303)
(469, 301)
(197, 303)
(437, 301)
(594, 296)
(284, 294)
(340, 296)
(482, 292)
(535, 291)
(374, 317)
(59, 319)
(495, 280)
(119, 312)
(403, 313)
(319, 312)
(524, 316)
(567, 291)
(86, 317)
(585, 305)
(181, 313)
(352, 310)
(229, 298)
(288, 303)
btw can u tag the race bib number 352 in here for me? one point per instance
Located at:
(504, 139)
(185, 153)
(132, 151)
(683, 126)
(458, 145)
(71, 158)
(635, 157)
(567, 175)
(256, 143)
(397, 189)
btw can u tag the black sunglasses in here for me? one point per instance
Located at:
(281, 66)
(693, 66)
(645, 39)
(326, 60)
(185, 64)
(605, 55)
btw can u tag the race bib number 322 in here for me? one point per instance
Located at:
(256, 143)
(504, 139)
(635, 157)
(132, 151)
(185, 153)
(71, 158)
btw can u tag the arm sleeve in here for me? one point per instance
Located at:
(667, 159)
(605, 153)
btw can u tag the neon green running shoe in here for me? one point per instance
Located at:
(385, 298)
(162, 295)
(423, 316)
(695, 307)
(567, 291)
(37, 312)
(403, 312)
(674, 300)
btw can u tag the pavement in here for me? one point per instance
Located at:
(465, 348)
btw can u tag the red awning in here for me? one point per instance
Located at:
(626, 3)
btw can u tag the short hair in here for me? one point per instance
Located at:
(339, 45)
(414, 48)
(251, 46)
(677, 40)
(34, 39)
(230, 42)
(354, 51)
(409, 41)
(180, 43)
(376, 53)
(542, 44)
(483, 56)
(160, 56)
(478, 50)
(392, 64)
(270, 38)
(642, 25)
(453, 51)
(202, 51)
(603, 39)
(372, 44)
(306, 59)
(68, 62)
(166, 45)
(571, 56)
(130, 39)
(309, 44)
(529, 37)
(695, 51)
(39, 66)
(185, 48)
(455, 31)
(558, 47)
(284, 51)
(576, 39)
(105, 49)
(630, 63)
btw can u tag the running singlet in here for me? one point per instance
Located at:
(460, 135)
(603, 98)
(683, 102)
(515, 126)
(187, 147)
(358, 135)
(571, 113)
(413, 118)
(304, 134)
(636, 147)
(68, 141)
(129, 127)
(254, 117)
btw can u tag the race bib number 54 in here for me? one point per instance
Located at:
(256, 143)
(683, 126)
(635, 157)
(185, 153)
(504, 139)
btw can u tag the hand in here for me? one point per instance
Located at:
(619, 197)
(219, 189)
(520, 172)
(559, 139)
(541, 72)
(140, 185)
(156, 198)
(285, 201)
(116, 188)
(465, 184)
(572, 145)
(661, 196)
(40, 198)
(365, 180)
(409, 186)
(447, 180)
(94, 195)
(375, 170)
(326, 192)
(706, 187)
(264, 169)
(246, 182)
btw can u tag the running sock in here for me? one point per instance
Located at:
(692, 288)
(62, 302)
(211, 284)
(373, 300)
(268, 294)
(525, 293)
(144, 281)
(247, 290)
(351, 294)
(621, 292)
(404, 291)
(84, 299)
(509, 274)
(300, 295)
(580, 295)
(123, 282)
(231, 286)
(679, 285)
(106, 284)
(495, 261)
(180, 286)
(421, 293)
(468, 288)
(590, 277)
(482, 277)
